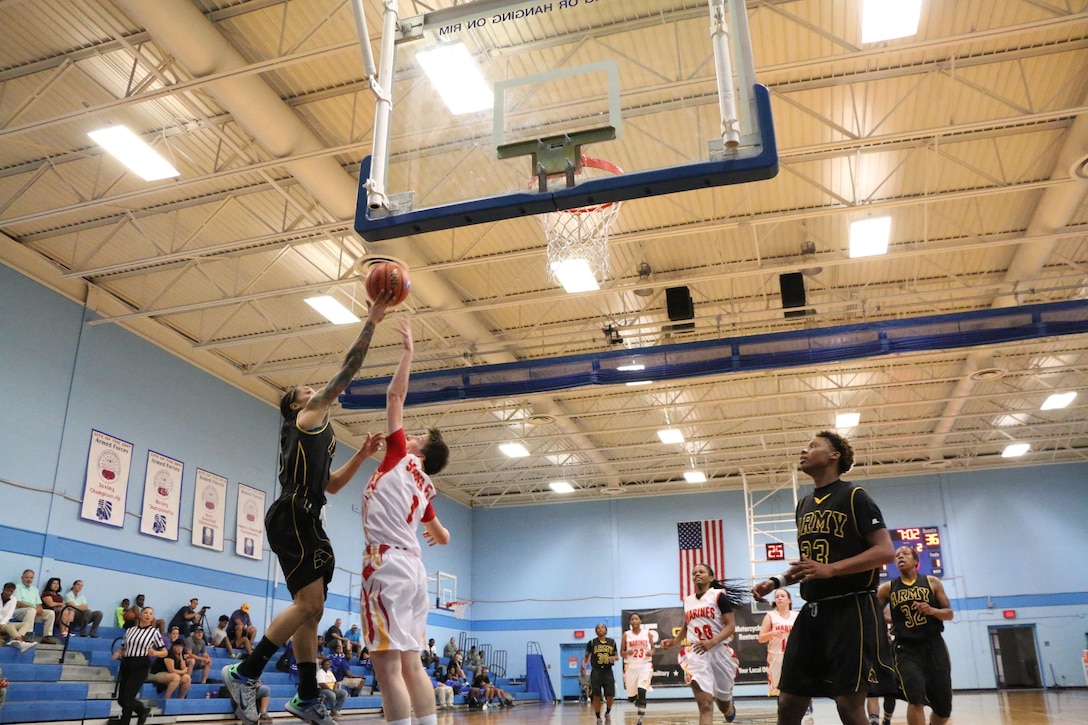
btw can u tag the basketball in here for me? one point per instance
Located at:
(387, 277)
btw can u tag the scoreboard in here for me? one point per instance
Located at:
(926, 540)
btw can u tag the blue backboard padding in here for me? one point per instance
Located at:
(715, 357)
(635, 185)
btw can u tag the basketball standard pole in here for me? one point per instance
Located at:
(723, 65)
(376, 197)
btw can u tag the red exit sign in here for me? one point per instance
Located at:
(1008, 613)
(776, 552)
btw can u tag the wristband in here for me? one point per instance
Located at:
(779, 581)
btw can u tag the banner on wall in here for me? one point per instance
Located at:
(162, 496)
(105, 485)
(209, 510)
(249, 531)
(667, 621)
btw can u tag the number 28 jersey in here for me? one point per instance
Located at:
(703, 615)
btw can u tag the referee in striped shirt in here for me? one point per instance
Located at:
(141, 643)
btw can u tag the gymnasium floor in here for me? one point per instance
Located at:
(1034, 707)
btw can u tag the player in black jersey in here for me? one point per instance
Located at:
(919, 609)
(297, 537)
(837, 647)
(601, 654)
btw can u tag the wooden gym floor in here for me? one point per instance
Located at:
(1032, 707)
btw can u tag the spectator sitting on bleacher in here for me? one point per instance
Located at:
(186, 616)
(429, 655)
(52, 598)
(14, 632)
(241, 631)
(172, 672)
(364, 660)
(329, 689)
(339, 663)
(443, 692)
(196, 653)
(124, 615)
(334, 634)
(30, 610)
(450, 649)
(173, 636)
(454, 670)
(487, 691)
(354, 644)
(473, 659)
(82, 612)
(220, 638)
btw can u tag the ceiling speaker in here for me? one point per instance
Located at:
(792, 286)
(678, 301)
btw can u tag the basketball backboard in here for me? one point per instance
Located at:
(636, 83)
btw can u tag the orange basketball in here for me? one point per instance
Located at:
(387, 277)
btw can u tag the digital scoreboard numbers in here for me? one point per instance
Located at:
(775, 551)
(926, 540)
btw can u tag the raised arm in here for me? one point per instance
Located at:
(313, 413)
(398, 386)
(340, 477)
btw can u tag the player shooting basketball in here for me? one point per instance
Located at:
(296, 535)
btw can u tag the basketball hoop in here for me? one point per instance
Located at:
(458, 608)
(578, 238)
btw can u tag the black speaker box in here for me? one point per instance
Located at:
(793, 294)
(678, 301)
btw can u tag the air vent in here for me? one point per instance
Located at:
(988, 374)
(540, 419)
(937, 463)
(613, 490)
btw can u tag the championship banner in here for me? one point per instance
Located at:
(105, 485)
(668, 621)
(162, 496)
(249, 531)
(209, 510)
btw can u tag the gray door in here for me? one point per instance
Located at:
(1016, 660)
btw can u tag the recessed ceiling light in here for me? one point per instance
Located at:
(638, 382)
(561, 486)
(671, 435)
(332, 310)
(514, 450)
(869, 237)
(456, 78)
(847, 420)
(1015, 450)
(1058, 400)
(130, 150)
(633, 367)
(694, 476)
(889, 19)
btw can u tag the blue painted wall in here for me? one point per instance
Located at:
(1012, 538)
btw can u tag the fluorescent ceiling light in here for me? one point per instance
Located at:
(869, 237)
(847, 420)
(575, 275)
(670, 435)
(889, 19)
(1058, 400)
(1015, 450)
(638, 382)
(694, 476)
(130, 150)
(561, 486)
(456, 78)
(514, 450)
(333, 311)
(634, 367)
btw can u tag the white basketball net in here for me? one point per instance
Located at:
(580, 234)
(458, 608)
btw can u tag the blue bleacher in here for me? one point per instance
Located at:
(37, 693)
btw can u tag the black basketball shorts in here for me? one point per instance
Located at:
(298, 540)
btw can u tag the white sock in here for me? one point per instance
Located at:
(431, 719)
(405, 721)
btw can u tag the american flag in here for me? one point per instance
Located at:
(700, 543)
